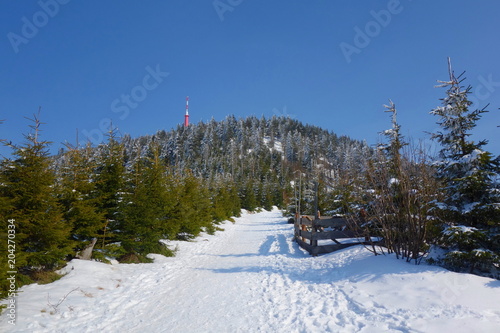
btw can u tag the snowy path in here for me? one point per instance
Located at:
(253, 278)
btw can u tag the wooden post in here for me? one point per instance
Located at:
(295, 224)
(314, 240)
(316, 213)
(303, 228)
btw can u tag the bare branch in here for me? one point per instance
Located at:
(55, 306)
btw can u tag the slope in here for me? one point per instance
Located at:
(253, 278)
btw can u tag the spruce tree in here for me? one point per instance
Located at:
(221, 202)
(77, 188)
(194, 208)
(146, 212)
(471, 209)
(174, 188)
(110, 187)
(234, 199)
(249, 200)
(42, 234)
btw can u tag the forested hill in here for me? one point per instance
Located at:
(260, 157)
(263, 155)
(130, 194)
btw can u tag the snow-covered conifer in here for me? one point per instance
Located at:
(468, 174)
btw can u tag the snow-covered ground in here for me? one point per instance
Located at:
(253, 278)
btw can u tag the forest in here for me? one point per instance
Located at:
(128, 195)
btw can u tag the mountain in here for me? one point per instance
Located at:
(261, 155)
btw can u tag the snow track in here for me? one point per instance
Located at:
(253, 278)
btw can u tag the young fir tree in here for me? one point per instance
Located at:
(224, 200)
(249, 200)
(471, 207)
(110, 187)
(174, 187)
(27, 186)
(76, 188)
(390, 204)
(146, 214)
(235, 202)
(396, 142)
(193, 208)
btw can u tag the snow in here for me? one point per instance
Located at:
(278, 146)
(458, 229)
(253, 278)
(393, 181)
(472, 157)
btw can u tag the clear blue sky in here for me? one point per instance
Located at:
(79, 60)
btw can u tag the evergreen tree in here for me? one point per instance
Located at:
(265, 190)
(249, 200)
(225, 201)
(234, 200)
(42, 234)
(468, 174)
(77, 188)
(145, 215)
(396, 142)
(193, 209)
(110, 187)
(174, 188)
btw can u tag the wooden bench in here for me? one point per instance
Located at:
(308, 231)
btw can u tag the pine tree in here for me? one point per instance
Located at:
(193, 208)
(110, 187)
(234, 199)
(42, 234)
(223, 201)
(145, 214)
(77, 188)
(471, 207)
(249, 200)
(396, 142)
(266, 193)
(174, 188)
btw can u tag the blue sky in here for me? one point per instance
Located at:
(327, 63)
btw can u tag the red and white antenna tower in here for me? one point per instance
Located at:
(186, 117)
